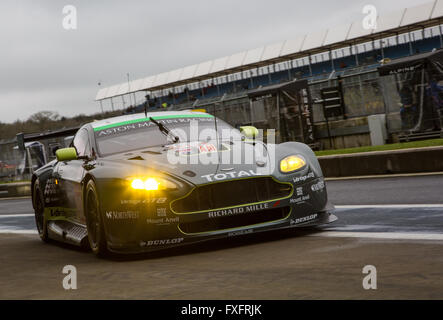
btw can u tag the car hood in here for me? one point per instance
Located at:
(199, 162)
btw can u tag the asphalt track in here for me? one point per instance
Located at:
(394, 224)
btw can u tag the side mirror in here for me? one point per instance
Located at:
(66, 154)
(54, 149)
(249, 132)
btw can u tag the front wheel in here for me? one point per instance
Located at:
(39, 210)
(94, 221)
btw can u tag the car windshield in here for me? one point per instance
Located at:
(143, 133)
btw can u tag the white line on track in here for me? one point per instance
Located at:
(15, 215)
(330, 234)
(13, 231)
(380, 235)
(389, 206)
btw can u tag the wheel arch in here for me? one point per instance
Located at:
(88, 177)
(33, 181)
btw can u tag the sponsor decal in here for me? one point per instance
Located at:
(183, 149)
(191, 148)
(145, 201)
(240, 232)
(50, 192)
(229, 175)
(304, 219)
(207, 147)
(319, 186)
(150, 243)
(162, 220)
(299, 191)
(303, 178)
(52, 199)
(161, 212)
(154, 221)
(122, 215)
(58, 213)
(405, 69)
(240, 210)
(131, 125)
(300, 199)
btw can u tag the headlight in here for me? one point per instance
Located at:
(151, 184)
(292, 163)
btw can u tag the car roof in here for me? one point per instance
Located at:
(137, 116)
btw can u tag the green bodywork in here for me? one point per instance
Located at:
(66, 154)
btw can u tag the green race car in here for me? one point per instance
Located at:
(150, 181)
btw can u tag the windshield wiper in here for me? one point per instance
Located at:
(165, 130)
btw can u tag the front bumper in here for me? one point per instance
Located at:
(140, 225)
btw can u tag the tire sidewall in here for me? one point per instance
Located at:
(99, 247)
(37, 195)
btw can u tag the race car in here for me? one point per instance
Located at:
(155, 180)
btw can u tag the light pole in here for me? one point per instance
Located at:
(101, 105)
(129, 90)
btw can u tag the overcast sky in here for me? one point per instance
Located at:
(45, 67)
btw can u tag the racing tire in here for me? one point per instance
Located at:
(94, 221)
(39, 210)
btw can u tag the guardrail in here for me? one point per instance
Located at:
(19, 189)
(416, 160)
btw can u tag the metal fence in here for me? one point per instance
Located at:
(18, 165)
(362, 94)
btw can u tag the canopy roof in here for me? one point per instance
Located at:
(404, 20)
(287, 86)
(413, 62)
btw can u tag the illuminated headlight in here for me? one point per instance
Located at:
(292, 163)
(151, 184)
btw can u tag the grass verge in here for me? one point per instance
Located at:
(394, 146)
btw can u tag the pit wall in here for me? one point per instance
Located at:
(418, 160)
(349, 133)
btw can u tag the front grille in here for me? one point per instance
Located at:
(237, 221)
(232, 193)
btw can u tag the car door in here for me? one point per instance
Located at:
(71, 174)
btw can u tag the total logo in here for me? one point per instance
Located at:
(233, 174)
(160, 242)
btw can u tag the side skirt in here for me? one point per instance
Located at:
(68, 232)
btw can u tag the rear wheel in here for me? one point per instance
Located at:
(94, 221)
(39, 210)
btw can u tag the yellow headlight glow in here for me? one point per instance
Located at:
(151, 184)
(138, 184)
(148, 184)
(292, 163)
